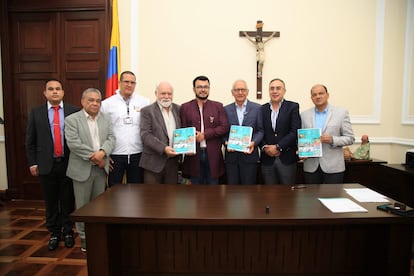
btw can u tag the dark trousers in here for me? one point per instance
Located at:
(320, 177)
(169, 175)
(239, 172)
(205, 174)
(57, 191)
(124, 164)
(279, 173)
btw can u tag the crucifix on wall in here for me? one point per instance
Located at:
(257, 39)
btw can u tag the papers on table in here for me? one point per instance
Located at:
(341, 205)
(366, 195)
(345, 205)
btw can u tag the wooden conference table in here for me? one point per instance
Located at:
(215, 230)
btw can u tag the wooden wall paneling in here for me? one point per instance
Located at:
(31, 96)
(34, 37)
(84, 53)
(56, 5)
(34, 60)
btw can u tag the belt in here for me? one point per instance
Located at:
(203, 149)
(58, 159)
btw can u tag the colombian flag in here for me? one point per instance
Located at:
(114, 61)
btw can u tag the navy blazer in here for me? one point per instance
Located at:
(286, 133)
(39, 141)
(252, 118)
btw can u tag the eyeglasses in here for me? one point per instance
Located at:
(243, 90)
(129, 82)
(203, 87)
(273, 88)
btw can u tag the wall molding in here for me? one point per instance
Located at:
(392, 140)
(375, 118)
(406, 118)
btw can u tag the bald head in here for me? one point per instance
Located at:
(320, 96)
(364, 139)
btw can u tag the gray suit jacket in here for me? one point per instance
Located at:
(339, 126)
(154, 136)
(79, 141)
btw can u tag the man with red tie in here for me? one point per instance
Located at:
(48, 155)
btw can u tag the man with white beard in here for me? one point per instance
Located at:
(158, 122)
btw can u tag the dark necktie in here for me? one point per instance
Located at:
(56, 132)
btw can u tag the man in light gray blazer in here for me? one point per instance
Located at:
(337, 132)
(89, 136)
(158, 122)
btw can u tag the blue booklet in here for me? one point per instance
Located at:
(309, 142)
(184, 140)
(240, 138)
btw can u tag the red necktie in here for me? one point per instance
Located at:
(56, 132)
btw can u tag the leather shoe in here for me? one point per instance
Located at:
(83, 245)
(69, 241)
(53, 243)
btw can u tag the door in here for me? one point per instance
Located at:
(66, 44)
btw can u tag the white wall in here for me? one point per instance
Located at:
(361, 50)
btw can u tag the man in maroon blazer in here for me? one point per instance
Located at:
(210, 121)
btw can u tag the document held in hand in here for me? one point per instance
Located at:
(184, 140)
(309, 142)
(240, 138)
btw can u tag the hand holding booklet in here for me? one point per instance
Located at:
(184, 140)
(240, 138)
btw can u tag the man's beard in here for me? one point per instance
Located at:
(165, 103)
(201, 97)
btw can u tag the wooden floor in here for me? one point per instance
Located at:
(23, 244)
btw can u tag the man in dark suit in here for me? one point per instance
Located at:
(158, 122)
(210, 121)
(241, 167)
(50, 165)
(281, 120)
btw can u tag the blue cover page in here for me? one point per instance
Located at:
(184, 140)
(309, 142)
(239, 138)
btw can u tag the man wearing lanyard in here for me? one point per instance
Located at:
(124, 109)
